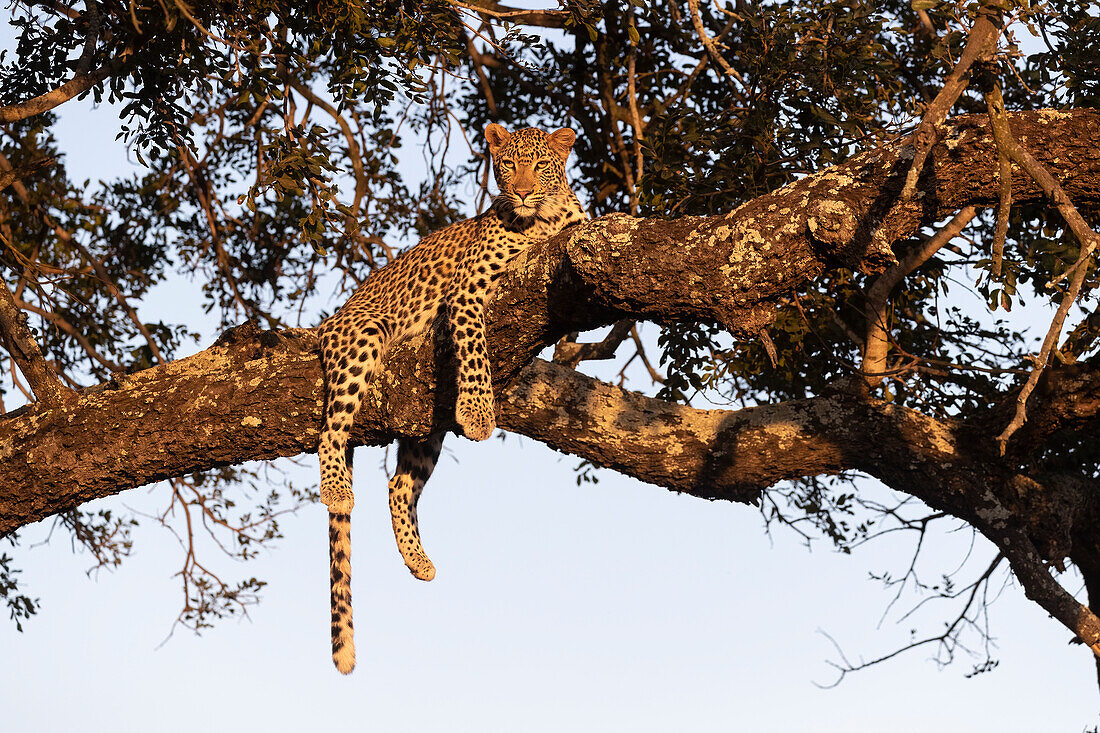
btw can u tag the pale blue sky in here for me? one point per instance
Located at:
(606, 607)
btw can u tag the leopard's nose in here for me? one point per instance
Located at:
(523, 193)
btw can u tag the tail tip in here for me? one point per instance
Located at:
(344, 659)
(425, 571)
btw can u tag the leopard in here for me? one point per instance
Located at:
(448, 279)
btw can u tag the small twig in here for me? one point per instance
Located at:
(570, 353)
(876, 343)
(655, 375)
(947, 641)
(1004, 186)
(14, 175)
(709, 44)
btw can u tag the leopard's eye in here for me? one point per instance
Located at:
(508, 164)
(541, 164)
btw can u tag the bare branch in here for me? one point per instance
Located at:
(10, 176)
(980, 45)
(71, 331)
(354, 153)
(479, 63)
(20, 343)
(570, 353)
(493, 9)
(946, 642)
(96, 264)
(876, 343)
(1089, 240)
(654, 375)
(710, 45)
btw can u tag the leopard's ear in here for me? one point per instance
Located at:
(497, 137)
(561, 142)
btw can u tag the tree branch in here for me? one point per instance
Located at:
(83, 78)
(570, 353)
(11, 175)
(96, 264)
(20, 343)
(710, 46)
(980, 46)
(258, 395)
(493, 9)
(1008, 146)
(217, 408)
(876, 344)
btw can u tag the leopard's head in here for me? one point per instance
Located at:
(529, 166)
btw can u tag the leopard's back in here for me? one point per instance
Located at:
(407, 292)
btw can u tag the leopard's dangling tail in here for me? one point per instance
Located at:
(335, 459)
(416, 460)
(336, 493)
(348, 369)
(339, 555)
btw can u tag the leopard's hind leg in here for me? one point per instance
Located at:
(415, 461)
(350, 353)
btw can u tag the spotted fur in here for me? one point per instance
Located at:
(452, 274)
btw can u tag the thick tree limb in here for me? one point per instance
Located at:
(258, 395)
(222, 407)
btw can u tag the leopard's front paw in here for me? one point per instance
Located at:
(475, 417)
